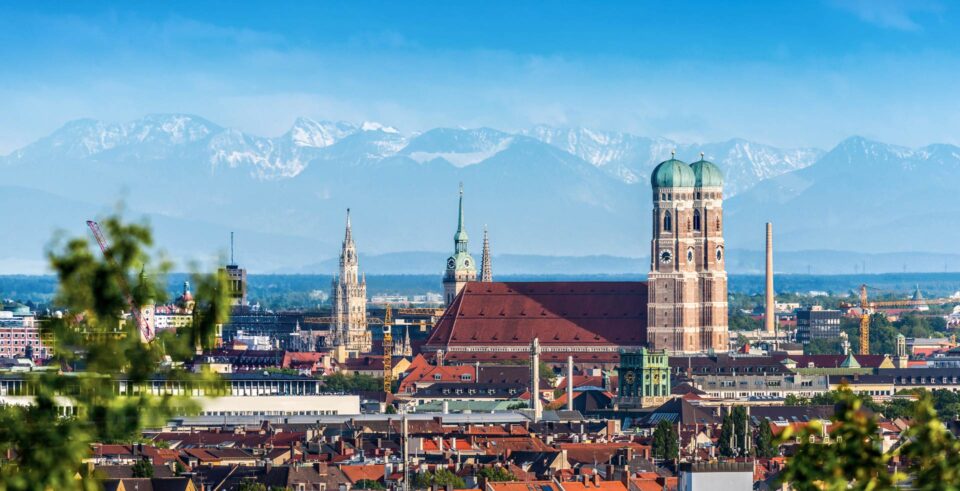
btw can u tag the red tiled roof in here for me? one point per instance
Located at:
(588, 485)
(592, 313)
(363, 472)
(521, 486)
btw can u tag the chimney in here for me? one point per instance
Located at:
(535, 376)
(570, 383)
(769, 316)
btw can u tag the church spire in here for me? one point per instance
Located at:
(460, 238)
(349, 235)
(486, 268)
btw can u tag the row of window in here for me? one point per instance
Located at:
(695, 225)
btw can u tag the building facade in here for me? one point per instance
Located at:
(687, 299)
(349, 295)
(817, 323)
(461, 268)
(20, 336)
(644, 378)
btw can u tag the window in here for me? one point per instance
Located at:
(696, 220)
(667, 222)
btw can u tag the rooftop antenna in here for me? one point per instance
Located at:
(231, 249)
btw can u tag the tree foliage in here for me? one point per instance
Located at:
(440, 478)
(496, 474)
(665, 441)
(143, 468)
(340, 382)
(763, 443)
(725, 440)
(932, 452)
(852, 459)
(368, 484)
(98, 345)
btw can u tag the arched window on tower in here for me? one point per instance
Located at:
(718, 224)
(667, 222)
(696, 220)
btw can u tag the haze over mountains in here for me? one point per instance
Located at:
(542, 192)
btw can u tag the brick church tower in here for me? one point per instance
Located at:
(687, 285)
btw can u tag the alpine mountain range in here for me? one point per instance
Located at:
(556, 200)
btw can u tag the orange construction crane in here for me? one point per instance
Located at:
(146, 331)
(866, 306)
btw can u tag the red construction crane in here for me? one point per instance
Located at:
(146, 332)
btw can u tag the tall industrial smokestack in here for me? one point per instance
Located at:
(569, 383)
(769, 317)
(535, 379)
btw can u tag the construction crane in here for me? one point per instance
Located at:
(866, 305)
(387, 350)
(421, 311)
(146, 333)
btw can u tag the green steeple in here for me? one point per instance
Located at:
(461, 261)
(460, 238)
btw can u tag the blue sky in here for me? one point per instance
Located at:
(788, 73)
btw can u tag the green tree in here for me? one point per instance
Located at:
(946, 403)
(739, 420)
(931, 450)
(143, 468)
(763, 444)
(665, 441)
(795, 400)
(368, 484)
(496, 474)
(440, 477)
(822, 347)
(897, 408)
(340, 382)
(725, 440)
(46, 448)
(852, 460)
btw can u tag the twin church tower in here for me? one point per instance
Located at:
(687, 284)
(686, 287)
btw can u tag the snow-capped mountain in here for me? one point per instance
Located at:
(862, 195)
(545, 191)
(631, 158)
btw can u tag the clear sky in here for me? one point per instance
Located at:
(791, 73)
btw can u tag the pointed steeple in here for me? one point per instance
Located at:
(486, 268)
(348, 237)
(460, 238)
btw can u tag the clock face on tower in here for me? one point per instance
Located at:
(451, 263)
(719, 254)
(665, 256)
(466, 262)
(690, 255)
(629, 377)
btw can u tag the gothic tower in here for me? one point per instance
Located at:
(460, 266)
(687, 287)
(708, 236)
(350, 300)
(486, 268)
